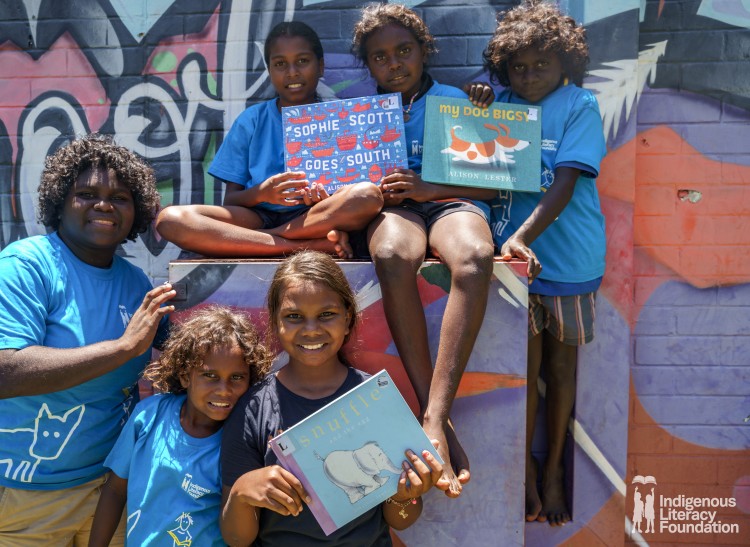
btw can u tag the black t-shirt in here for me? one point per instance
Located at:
(262, 413)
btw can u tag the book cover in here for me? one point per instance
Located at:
(348, 454)
(346, 141)
(497, 147)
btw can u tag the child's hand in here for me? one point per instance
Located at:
(480, 93)
(141, 329)
(287, 188)
(273, 488)
(416, 479)
(404, 184)
(315, 193)
(516, 248)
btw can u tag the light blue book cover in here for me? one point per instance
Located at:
(346, 141)
(348, 454)
(498, 147)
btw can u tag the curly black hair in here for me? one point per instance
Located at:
(62, 168)
(376, 16)
(537, 24)
(207, 329)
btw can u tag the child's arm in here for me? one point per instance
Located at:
(547, 210)
(283, 189)
(108, 511)
(271, 487)
(406, 183)
(403, 508)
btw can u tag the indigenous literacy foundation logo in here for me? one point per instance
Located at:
(677, 515)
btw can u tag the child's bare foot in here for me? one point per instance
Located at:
(533, 502)
(553, 497)
(341, 244)
(459, 459)
(448, 482)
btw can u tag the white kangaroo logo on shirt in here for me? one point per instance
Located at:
(50, 435)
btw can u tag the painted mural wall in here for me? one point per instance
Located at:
(168, 77)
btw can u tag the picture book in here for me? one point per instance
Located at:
(496, 147)
(347, 141)
(348, 454)
(640, 479)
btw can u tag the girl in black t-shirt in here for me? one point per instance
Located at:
(312, 312)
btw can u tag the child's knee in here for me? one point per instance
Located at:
(367, 197)
(171, 217)
(394, 258)
(475, 262)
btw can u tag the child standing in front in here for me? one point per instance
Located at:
(312, 312)
(269, 211)
(541, 55)
(165, 465)
(449, 221)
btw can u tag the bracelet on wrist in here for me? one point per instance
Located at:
(403, 505)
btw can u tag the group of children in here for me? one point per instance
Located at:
(540, 56)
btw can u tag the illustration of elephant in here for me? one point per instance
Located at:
(357, 472)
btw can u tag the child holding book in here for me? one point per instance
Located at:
(269, 211)
(449, 221)
(541, 55)
(312, 312)
(165, 465)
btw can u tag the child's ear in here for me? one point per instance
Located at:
(321, 67)
(185, 380)
(348, 321)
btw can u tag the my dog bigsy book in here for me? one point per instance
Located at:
(348, 454)
(497, 147)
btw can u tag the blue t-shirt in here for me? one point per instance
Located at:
(572, 248)
(415, 131)
(174, 482)
(253, 150)
(262, 413)
(48, 297)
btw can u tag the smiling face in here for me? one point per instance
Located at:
(97, 216)
(312, 324)
(294, 70)
(396, 60)
(534, 73)
(213, 389)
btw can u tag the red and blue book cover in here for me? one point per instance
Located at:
(346, 141)
(348, 454)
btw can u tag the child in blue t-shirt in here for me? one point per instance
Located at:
(448, 221)
(540, 56)
(269, 211)
(165, 464)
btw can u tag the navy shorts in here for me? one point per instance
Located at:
(432, 211)
(272, 219)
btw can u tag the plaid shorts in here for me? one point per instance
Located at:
(570, 319)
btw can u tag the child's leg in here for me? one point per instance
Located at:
(235, 231)
(398, 242)
(534, 362)
(350, 208)
(463, 242)
(559, 364)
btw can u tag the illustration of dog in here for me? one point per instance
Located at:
(492, 152)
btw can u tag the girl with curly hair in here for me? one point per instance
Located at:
(541, 55)
(449, 221)
(165, 465)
